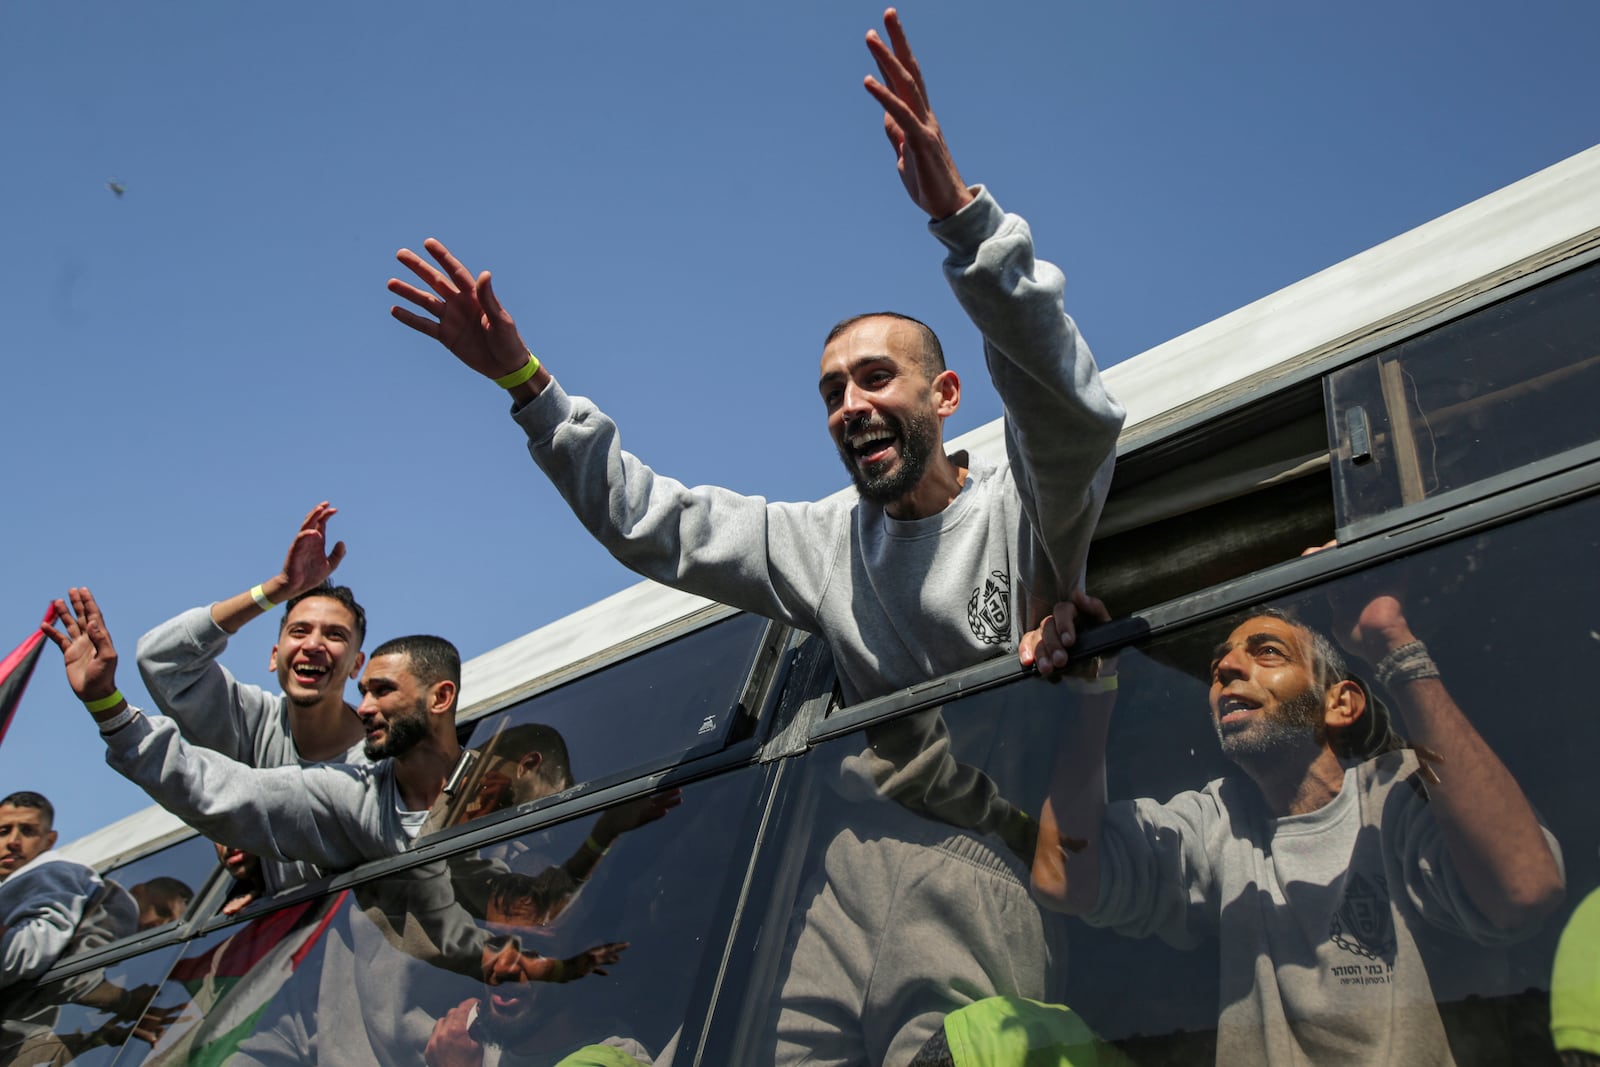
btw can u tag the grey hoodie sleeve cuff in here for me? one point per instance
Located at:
(544, 414)
(968, 228)
(128, 738)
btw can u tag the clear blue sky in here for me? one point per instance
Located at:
(677, 201)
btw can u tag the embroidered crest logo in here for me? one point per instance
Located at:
(989, 610)
(1364, 924)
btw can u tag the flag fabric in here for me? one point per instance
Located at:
(15, 669)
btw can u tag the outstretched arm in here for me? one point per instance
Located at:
(468, 319)
(1499, 849)
(326, 814)
(1061, 426)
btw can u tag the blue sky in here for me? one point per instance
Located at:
(677, 200)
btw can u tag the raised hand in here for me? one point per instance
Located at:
(630, 816)
(593, 960)
(923, 159)
(467, 318)
(308, 563)
(86, 650)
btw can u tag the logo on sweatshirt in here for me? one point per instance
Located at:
(1364, 924)
(989, 610)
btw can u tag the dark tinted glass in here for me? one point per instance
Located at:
(91, 1017)
(595, 932)
(1279, 881)
(165, 883)
(1515, 382)
(662, 706)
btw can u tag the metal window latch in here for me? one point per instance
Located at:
(1355, 422)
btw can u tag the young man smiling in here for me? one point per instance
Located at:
(332, 816)
(317, 652)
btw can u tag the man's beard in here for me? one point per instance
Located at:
(1293, 726)
(915, 439)
(400, 736)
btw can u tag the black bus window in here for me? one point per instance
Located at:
(1497, 389)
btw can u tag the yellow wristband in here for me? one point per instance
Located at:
(259, 595)
(596, 847)
(520, 375)
(104, 703)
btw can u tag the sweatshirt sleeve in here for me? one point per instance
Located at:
(772, 559)
(326, 814)
(1156, 877)
(178, 661)
(1061, 426)
(43, 906)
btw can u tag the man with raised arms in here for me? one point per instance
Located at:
(1000, 539)
(1327, 863)
(317, 652)
(332, 815)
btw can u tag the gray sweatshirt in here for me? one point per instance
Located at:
(41, 903)
(897, 602)
(1318, 915)
(334, 815)
(179, 663)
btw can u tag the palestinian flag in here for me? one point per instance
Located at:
(231, 985)
(15, 669)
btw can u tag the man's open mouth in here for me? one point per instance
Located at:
(310, 673)
(1235, 709)
(871, 445)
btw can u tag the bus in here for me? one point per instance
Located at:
(744, 872)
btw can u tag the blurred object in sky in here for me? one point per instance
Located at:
(116, 187)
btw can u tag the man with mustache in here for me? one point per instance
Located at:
(317, 652)
(1326, 869)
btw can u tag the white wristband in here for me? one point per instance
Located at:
(119, 720)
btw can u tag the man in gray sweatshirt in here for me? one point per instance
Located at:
(1001, 539)
(332, 815)
(317, 652)
(1328, 868)
(940, 563)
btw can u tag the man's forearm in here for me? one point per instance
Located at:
(1499, 849)
(1066, 866)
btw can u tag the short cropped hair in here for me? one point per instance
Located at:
(555, 766)
(165, 887)
(932, 354)
(543, 894)
(343, 595)
(432, 659)
(27, 798)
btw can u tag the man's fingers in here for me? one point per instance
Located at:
(902, 52)
(416, 322)
(433, 305)
(336, 556)
(56, 637)
(431, 276)
(457, 271)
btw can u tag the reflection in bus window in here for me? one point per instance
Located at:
(587, 933)
(89, 1017)
(1283, 878)
(673, 702)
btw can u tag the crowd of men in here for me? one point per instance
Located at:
(1333, 814)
